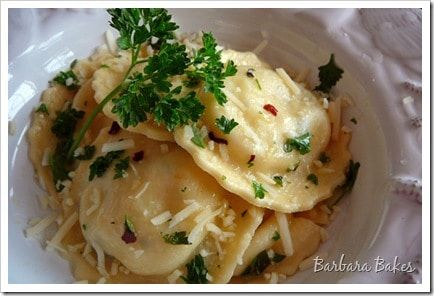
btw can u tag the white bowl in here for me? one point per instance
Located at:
(44, 41)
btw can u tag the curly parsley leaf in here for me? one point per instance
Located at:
(42, 109)
(329, 75)
(225, 125)
(209, 69)
(88, 153)
(102, 163)
(138, 25)
(259, 190)
(177, 238)
(301, 144)
(350, 180)
(197, 138)
(196, 271)
(121, 167)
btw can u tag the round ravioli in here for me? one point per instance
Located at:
(267, 158)
(165, 202)
(107, 78)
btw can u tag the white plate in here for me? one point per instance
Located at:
(368, 45)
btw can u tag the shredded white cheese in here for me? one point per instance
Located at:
(260, 47)
(224, 152)
(143, 190)
(111, 42)
(206, 216)
(100, 259)
(138, 253)
(213, 228)
(114, 268)
(285, 234)
(274, 278)
(40, 226)
(118, 145)
(184, 214)
(87, 250)
(161, 218)
(174, 276)
(63, 230)
(211, 145)
(325, 103)
(209, 277)
(288, 81)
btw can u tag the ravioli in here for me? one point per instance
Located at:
(262, 135)
(162, 181)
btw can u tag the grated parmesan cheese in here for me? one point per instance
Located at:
(184, 214)
(174, 276)
(102, 280)
(161, 218)
(260, 47)
(143, 190)
(87, 250)
(138, 253)
(224, 152)
(274, 278)
(211, 227)
(211, 145)
(111, 42)
(288, 81)
(325, 103)
(114, 268)
(75, 248)
(206, 216)
(266, 178)
(118, 145)
(209, 277)
(231, 97)
(285, 234)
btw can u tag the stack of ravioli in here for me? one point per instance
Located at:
(204, 197)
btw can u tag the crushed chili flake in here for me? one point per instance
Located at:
(114, 129)
(216, 139)
(138, 156)
(129, 236)
(270, 108)
(251, 159)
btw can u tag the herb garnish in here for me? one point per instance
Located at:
(313, 178)
(243, 213)
(278, 180)
(257, 83)
(324, 158)
(129, 235)
(259, 190)
(278, 257)
(351, 176)
(177, 238)
(258, 264)
(196, 271)
(225, 125)
(300, 143)
(150, 92)
(88, 152)
(276, 236)
(121, 167)
(329, 75)
(197, 138)
(65, 122)
(293, 167)
(68, 78)
(42, 109)
(101, 163)
(354, 120)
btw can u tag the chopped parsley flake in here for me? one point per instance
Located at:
(251, 159)
(278, 180)
(278, 257)
(42, 109)
(104, 66)
(258, 264)
(68, 79)
(293, 167)
(197, 138)
(121, 167)
(329, 75)
(301, 144)
(184, 189)
(84, 226)
(225, 125)
(259, 190)
(276, 236)
(324, 158)
(89, 151)
(354, 120)
(64, 124)
(313, 178)
(243, 213)
(102, 163)
(257, 83)
(196, 271)
(177, 238)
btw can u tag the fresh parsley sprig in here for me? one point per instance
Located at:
(329, 75)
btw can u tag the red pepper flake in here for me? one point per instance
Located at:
(114, 129)
(251, 159)
(138, 156)
(270, 108)
(216, 139)
(129, 236)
